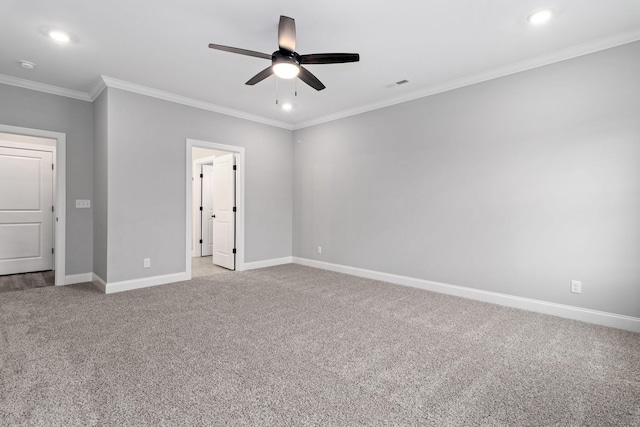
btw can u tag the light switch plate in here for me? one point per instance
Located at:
(83, 204)
(576, 286)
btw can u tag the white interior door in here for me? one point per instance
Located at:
(207, 210)
(26, 216)
(224, 202)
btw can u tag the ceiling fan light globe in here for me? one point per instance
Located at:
(286, 70)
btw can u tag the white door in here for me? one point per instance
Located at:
(224, 218)
(207, 210)
(26, 210)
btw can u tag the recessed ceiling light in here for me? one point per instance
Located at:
(540, 17)
(287, 107)
(59, 36)
(27, 65)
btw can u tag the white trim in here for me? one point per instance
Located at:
(516, 67)
(42, 87)
(99, 282)
(61, 192)
(72, 279)
(196, 230)
(28, 142)
(145, 282)
(528, 64)
(267, 263)
(240, 195)
(570, 312)
(97, 89)
(191, 102)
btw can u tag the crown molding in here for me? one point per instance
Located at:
(191, 102)
(43, 87)
(540, 61)
(97, 89)
(529, 64)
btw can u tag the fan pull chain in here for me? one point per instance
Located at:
(296, 88)
(277, 86)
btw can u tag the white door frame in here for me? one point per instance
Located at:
(239, 151)
(59, 226)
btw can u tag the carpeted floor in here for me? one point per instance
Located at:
(296, 346)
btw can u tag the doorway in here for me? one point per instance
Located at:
(215, 216)
(213, 188)
(26, 209)
(33, 210)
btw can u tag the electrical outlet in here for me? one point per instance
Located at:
(147, 262)
(576, 287)
(319, 249)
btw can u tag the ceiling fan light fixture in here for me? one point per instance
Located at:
(286, 63)
(286, 70)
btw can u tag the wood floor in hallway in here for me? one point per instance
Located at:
(18, 282)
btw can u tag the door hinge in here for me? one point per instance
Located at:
(200, 240)
(53, 250)
(234, 167)
(51, 166)
(201, 175)
(234, 208)
(52, 208)
(234, 250)
(200, 207)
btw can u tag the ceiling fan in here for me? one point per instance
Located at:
(286, 63)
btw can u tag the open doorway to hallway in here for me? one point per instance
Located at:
(215, 221)
(27, 211)
(204, 213)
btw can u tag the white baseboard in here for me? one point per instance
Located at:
(145, 282)
(72, 279)
(570, 312)
(99, 282)
(267, 263)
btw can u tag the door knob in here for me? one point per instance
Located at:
(213, 216)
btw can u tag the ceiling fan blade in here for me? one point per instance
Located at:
(260, 76)
(329, 58)
(287, 33)
(240, 51)
(306, 76)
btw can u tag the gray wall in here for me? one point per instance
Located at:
(146, 183)
(37, 110)
(100, 185)
(517, 185)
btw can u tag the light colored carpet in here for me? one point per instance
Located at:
(296, 346)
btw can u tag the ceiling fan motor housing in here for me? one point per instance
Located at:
(284, 56)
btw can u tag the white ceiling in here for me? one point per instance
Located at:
(436, 45)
